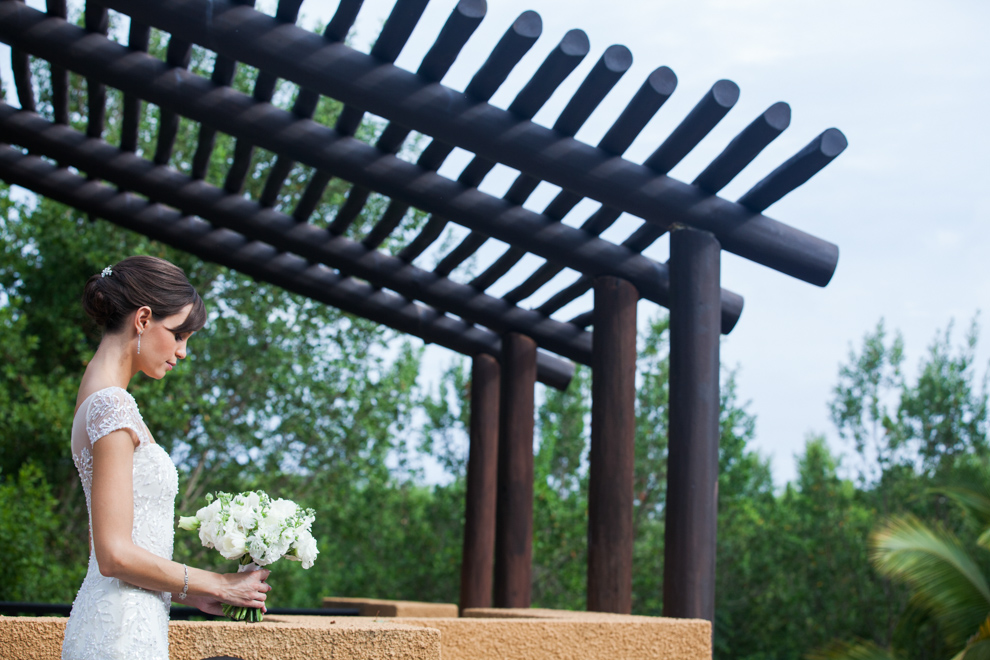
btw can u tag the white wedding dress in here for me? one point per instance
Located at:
(111, 619)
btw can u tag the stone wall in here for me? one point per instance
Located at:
(481, 634)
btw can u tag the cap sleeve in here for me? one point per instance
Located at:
(111, 410)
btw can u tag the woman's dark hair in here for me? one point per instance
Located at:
(138, 281)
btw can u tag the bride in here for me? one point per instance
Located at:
(148, 311)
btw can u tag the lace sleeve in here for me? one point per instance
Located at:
(113, 409)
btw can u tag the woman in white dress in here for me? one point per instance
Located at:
(148, 311)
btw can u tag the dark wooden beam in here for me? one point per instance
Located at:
(97, 21)
(138, 39)
(652, 94)
(223, 209)
(692, 459)
(494, 134)
(482, 476)
(60, 77)
(280, 131)
(514, 508)
(261, 261)
(613, 434)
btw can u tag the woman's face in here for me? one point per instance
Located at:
(161, 347)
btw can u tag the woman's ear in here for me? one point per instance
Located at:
(142, 317)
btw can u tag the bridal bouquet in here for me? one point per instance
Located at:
(256, 530)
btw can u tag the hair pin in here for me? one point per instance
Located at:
(108, 271)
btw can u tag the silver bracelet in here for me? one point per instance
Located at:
(185, 586)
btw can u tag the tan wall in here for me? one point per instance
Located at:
(276, 638)
(480, 635)
(572, 636)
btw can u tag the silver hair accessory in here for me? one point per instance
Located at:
(108, 271)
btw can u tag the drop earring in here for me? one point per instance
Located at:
(139, 343)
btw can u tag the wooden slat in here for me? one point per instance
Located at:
(515, 43)
(264, 87)
(612, 65)
(138, 39)
(796, 170)
(650, 97)
(60, 77)
(177, 55)
(97, 21)
(561, 61)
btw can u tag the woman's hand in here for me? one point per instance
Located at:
(247, 589)
(202, 603)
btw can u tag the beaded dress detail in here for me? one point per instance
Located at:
(111, 619)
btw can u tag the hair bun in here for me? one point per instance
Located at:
(97, 302)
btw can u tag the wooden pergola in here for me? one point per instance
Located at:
(511, 344)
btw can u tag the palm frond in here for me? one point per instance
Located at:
(943, 576)
(975, 501)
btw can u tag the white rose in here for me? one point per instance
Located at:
(210, 512)
(258, 551)
(209, 531)
(233, 544)
(245, 514)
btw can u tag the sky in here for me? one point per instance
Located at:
(907, 203)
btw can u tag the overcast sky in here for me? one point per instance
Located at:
(908, 203)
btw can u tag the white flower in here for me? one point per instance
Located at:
(233, 543)
(245, 509)
(281, 510)
(209, 531)
(209, 512)
(189, 523)
(305, 549)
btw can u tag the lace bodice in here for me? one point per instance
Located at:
(111, 618)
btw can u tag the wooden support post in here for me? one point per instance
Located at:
(482, 471)
(514, 508)
(613, 430)
(692, 462)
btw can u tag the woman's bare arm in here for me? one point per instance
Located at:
(119, 557)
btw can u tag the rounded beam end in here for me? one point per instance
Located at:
(725, 93)
(778, 116)
(663, 81)
(617, 58)
(472, 8)
(833, 143)
(732, 306)
(529, 25)
(575, 43)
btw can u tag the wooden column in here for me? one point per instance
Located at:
(692, 463)
(514, 507)
(482, 471)
(613, 429)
